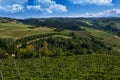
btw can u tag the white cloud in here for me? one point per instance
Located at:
(12, 8)
(47, 11)
(50, 6)
(15, 8)
(113, 11)
(107, 13)
(44, 6)
(96, 2)
(12, 5)
(58, 7)
(36, 7)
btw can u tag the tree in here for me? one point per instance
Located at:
(8, 45)
(27, 52)
(44, 49)
(30, 48)
(2, 53)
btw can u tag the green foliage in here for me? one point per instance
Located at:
(60, 46)
(29, 38)
(59, 30)
(81, 67)
(108, 25)
(83, 56)
(56, 23)
(8, 45)
(27, 52)
(2, 53)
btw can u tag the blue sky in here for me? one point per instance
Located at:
(59, 8)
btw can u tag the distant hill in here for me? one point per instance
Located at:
(111, 25)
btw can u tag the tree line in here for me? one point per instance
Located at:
(75, 23)
(53, 46)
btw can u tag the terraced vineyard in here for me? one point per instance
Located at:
(82, 67)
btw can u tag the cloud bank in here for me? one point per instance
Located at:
(12, 5)
(107, 13)
(44, 6)
(95, 2)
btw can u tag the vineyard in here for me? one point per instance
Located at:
(80, 67)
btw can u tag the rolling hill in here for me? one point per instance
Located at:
(97, 27)
(59, 48)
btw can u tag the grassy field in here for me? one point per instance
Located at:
(80, 67)
(98, 33)
(15, 31)
(108, 38)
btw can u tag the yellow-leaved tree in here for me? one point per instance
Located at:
(30, 48)
(27, 52)
(44, 49)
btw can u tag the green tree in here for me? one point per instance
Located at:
(2, 53)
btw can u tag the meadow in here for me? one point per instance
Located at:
(16, 31)
(108, 38)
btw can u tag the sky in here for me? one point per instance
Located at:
(59, 8)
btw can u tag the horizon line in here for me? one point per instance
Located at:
(54, 17)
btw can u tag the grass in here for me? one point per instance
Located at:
(15, 31)
(80, 67)
(77, 33)
(98, 33)
(117, 25)
(108, 38)
(62, 36)
(82, 33)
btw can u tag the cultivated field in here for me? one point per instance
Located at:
(15, 31)
(82, 67)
